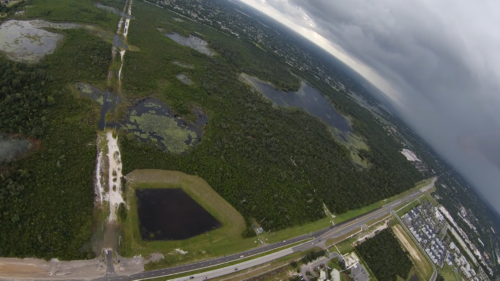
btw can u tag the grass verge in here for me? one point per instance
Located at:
(407, 208)
(423, 267)
(71, 11)
(184, 274)
(224, 240)
(448, 273)
(264, 269)
(357, 212)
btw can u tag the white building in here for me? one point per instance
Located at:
(322, 275)
(335, 274)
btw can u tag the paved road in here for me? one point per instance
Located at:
(312, 265)
(110, 267)
(318, 237)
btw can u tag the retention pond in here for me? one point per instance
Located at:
(171, 214)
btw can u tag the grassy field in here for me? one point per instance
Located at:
(357, 212)
(291, 232)
(343, 247)
(273, 265)
(332, 241)
(12, 3)
(448, 274)
(422, 265)
(372, 225)
(407, 208)
(226, 239)
(79, 11)
(431, 199)
(251, 271)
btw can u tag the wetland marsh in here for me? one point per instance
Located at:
(29, 42)
(12, 147)
(25, 41)
(306, 98)
(192, 42)
(152, 121)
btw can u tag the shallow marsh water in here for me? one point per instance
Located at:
(192, 42)
(307, 98)
(12, 147)
(106, 99)
(184, 79)
(25, 41)
(28, 41)
(182, 64)
(152, 121)
(113, 10)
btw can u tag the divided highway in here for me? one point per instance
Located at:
(318, 236)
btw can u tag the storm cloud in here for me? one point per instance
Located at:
(441, 59)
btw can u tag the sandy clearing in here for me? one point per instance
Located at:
(351, 259)
(419, 260)
(115, 175)
(372, 233)
(98, 185)
(120, 23)
(54, 269)
(413, 252)
(125, 29)
(122, 54)
(99, 189)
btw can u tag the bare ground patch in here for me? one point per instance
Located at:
(418, 259)
(54, 269)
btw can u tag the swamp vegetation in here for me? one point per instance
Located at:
(46, 198)
(274, 165)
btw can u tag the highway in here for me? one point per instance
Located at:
(318, 236)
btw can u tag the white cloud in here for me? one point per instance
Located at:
(303, 27)
(436, 60)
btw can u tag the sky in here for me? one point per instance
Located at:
(438, 64)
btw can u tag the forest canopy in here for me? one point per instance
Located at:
(46, 197)
(385, 256)
(274, 165)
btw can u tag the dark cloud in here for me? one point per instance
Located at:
(442, 58)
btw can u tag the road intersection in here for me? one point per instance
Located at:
(314, 238)
(335, 231)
